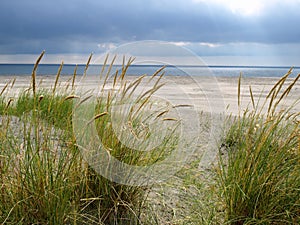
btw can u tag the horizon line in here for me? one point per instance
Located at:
(161, 65)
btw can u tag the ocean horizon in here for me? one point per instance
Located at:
(180, 70)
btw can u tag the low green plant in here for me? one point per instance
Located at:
(259, 174)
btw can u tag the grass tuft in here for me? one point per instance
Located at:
(44, 178)
(259, 177)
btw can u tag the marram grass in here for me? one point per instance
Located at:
(259, 176)
(43, 177)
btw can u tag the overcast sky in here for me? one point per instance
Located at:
(265, 29)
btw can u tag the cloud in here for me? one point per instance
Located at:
(106, 46)
(95, 26)
(210, 45)
(180, 43)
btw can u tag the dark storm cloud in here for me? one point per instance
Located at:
(78, 26)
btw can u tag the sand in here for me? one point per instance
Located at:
(201, 103)
(212, 95)
(208, 97)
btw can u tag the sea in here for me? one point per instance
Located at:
(218, 71)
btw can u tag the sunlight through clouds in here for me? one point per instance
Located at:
(247, 7)
(244, 7)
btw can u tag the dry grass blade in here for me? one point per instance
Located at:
(162, 113)
(286, 92)
(271, 103)
(133, 89)
(125, 67)
(124, 86)
(87, 65)
(293, 116)
(111, 65)
(85, 99)
(71, 97)
(68, 83)
(170, 119)
(147, 95)
(252, 98)
(108, 101)
(158, 80)
(97, 117)
(4, 88)
(150, 92)
(115, 78)
(108, 71)
(33, 75)
(74, 76)
(239, 91)
(13, 83)
(9, 102)
(57, 77)
(103, 66)
(134, 84)
(157, 72)
(182, 105)
(279, 84)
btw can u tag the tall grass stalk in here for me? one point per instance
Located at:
(259, 178)
(44, 178)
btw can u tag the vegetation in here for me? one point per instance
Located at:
(259, 178)
(44, 178)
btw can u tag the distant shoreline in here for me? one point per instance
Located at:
(160, 65)
(183, 70)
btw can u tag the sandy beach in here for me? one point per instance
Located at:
(207, 94)
(201, 102)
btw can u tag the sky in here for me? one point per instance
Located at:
(254, 32)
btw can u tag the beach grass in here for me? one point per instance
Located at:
(259, 175)
(45, 178)
(255, 181)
